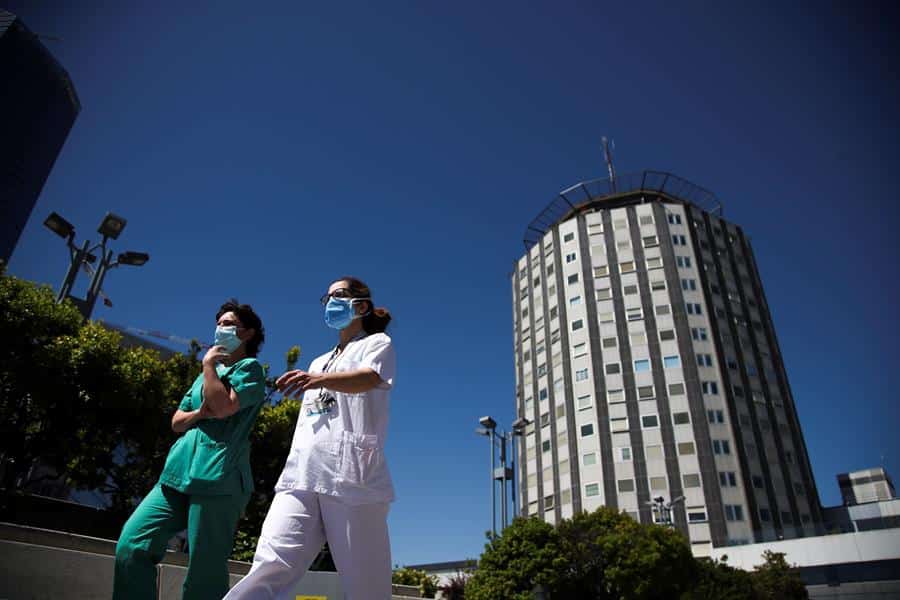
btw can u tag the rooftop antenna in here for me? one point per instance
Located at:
(607, 155)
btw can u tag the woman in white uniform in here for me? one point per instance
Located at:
(335, 486)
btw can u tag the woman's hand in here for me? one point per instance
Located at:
(297, 382)
(214, 355)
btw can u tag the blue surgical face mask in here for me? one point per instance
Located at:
(339, 312)
(227, 336)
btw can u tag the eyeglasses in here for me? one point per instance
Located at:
(340, 293)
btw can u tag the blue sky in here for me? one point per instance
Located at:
(261, 151)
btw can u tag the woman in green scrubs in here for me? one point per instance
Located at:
(206, 481)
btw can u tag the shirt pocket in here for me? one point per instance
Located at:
(360, 457)
(211, 460)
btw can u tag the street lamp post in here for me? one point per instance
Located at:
(501, 473)
(111, 227)
(662, 510)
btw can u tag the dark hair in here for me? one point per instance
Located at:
(377, 319)
(249, 319)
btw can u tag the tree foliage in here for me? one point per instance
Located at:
(527, 554)
(75, 402)
(427, 584)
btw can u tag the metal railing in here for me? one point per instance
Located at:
(573, 199)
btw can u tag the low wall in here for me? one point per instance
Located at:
(40, 564)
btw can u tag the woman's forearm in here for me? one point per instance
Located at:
(183, 420)
(215, 395)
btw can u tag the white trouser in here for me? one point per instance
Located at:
(296, 527)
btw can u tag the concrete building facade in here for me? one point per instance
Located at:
(647, 362)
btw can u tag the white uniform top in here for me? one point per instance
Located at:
(341, 452)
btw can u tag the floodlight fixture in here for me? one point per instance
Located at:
(519, 425)
(134, 259)
(111, 226)
(488, 423)
(59, 226)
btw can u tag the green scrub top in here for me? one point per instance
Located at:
(213, 457)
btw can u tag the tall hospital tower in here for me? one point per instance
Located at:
(648, 366)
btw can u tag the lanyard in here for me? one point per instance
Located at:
(326, 400)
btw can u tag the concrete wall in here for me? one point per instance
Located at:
(864, 546)
(39, 564)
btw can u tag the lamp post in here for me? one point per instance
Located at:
(110, 228)
(662, 510)
(501, 473)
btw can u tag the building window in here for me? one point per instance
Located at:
(666, 334)
(650, 241)
(572, 279)
(663, 309)
(654, 262)
(591, 490)
(620, 223)
(715, 416)
(579, 350)
(630, 290)
(545, 446)
(624, 453)
(551, 291)
(618, 425)
(548, 502)
(542, 370)
(721, 447)
(587, 430)
(606, 317)
(649, 421)
(542, 394)
(699, 333)
(574, 300)
(570, 257)
(609, 342)
(679, 240)
(686, 448)
(642, 365)
(727, 479)
(683, 261)
(658, 483)
(589, 459)
(704, 360)
(638, 338)
(568, 237)
(613, 368)
(646, 219)
(691, 480)
(674, 219)
(696, 516)
(625, 485)
(601, 271)
(577, 324)
(645, 392)
(710, 387)
(671, 362)
(693, 308)
(603, 294)
(634, 314)
(681, 418)
(623, 245)
(676, 389)
(734, 512)
(581, 375)
(653, 452)
(584, 402)
(545, 419)
(658, 285)
(689, 284)
(626, 267)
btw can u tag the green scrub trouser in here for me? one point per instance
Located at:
(211, 522)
